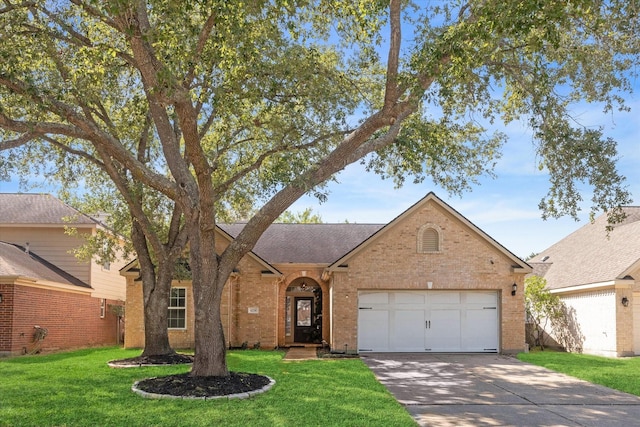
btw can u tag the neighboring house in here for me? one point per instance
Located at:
(597, 276)
(45, 291)
(429, 281)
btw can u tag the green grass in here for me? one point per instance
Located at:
(621, 374)
(78, 389)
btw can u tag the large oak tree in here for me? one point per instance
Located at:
(257, 103)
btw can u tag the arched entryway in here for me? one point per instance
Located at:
(303, 312)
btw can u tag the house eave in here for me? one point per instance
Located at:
(43, 284)
(610, 284)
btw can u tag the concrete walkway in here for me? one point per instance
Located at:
(301, 353)
(493, 390)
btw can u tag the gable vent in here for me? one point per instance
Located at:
(429, 239)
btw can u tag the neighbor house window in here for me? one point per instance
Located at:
(103, 307)
(177, 316)
(429, 239)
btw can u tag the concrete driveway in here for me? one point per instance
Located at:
(494, 390)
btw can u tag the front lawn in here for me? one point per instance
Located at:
(621, 374)
(79, 389)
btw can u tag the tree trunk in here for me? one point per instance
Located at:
(210, 351)
(208, 281)
(156, 335)
(156, 287)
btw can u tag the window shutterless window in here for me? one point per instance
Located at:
(177, 315)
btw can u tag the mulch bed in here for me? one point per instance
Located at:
(185, 385)
(165, 359)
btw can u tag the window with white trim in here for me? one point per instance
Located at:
(177, 315)
(429, 239)
(103, 307)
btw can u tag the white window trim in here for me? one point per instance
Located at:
(170, 308)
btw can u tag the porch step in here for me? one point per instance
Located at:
(301, 353)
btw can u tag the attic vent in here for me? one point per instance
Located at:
(429, 239)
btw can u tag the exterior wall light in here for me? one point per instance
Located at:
(625, 301)
(514, 288)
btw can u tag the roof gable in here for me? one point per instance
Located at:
(589, 255)
(134, 266)
(432, 198)
(39, 209)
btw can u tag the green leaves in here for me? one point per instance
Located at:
(258, 95)
(451, 154)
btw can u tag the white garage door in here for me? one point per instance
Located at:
(428, 321)
(636, 323)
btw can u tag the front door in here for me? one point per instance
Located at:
(303, 320)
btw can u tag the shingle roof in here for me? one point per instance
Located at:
(307, 243)
(589, 256)
(38, 209)
(15, 262)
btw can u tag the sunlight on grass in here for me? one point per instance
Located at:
(79, 389)
(619, 373)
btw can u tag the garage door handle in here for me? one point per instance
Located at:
(427, 324)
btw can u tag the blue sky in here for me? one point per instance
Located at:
(505, 207)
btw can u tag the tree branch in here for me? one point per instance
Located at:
(202, 40)
(75, 152)
(81, 129)
(20, 141)
(391, 87)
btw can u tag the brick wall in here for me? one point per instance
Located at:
(6, 318)
(72, 320)
(466, 261)
(253, 305)
(252, 318)
(624, 323)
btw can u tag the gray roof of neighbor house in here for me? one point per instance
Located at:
(38, 209)
(589, 255)
(16, 262)
(307, 243)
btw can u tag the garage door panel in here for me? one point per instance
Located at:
(443, 332)
(373, 330)
(481, 298)
(408, 330)
(435, 321)
(374, 298)
(409, 298)
(636, 323)
(436, 298)
(480, 330)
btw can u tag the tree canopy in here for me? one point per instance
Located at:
(247, 106)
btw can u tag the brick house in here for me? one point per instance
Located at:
(428, 281)
(597, 275)
(49, 300)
